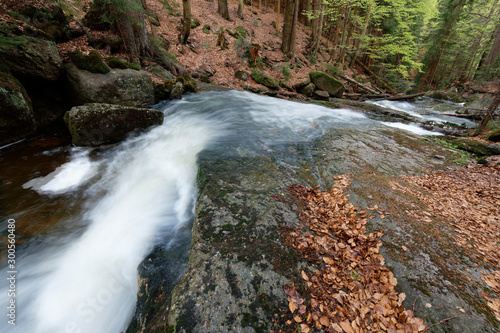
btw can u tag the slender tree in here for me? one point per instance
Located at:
(186, 21)
(223, 10)
(240, 9)
(289, 28)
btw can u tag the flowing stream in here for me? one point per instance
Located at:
(86, 218)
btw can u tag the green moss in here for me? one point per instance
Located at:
(195, 23)
(206, 29)
(494, 135)
(241, 31)
(118, 63)
(264, 79)
(92, 62)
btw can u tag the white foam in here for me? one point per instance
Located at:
(66, 177)
(411, 128)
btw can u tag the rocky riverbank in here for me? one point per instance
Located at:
(239, 263)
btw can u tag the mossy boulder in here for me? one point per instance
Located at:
(115, 62)
(17, 120)
(445, 95)
(98, 124)
(119, 86)
(206, 29)
(264, 79)
(494, 135)
(50, 19)
(92, 62)
(327, 83)
(30, 58)
(177, 90)
(300, 85)
(161, 72)
(308, 90)
(477, 148)
(259, 90)
(241, 75)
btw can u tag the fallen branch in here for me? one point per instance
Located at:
(363, 96)
(442, 321)
(362, 86)
(403, 97)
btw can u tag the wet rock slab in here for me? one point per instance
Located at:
(238, 264)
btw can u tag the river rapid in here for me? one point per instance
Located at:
(85, 218)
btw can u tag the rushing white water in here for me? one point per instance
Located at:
(68, 176)
(86, 282)
(425, 110)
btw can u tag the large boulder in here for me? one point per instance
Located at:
(16, 113)
(97, 124)
(119, 86)
(264, 79)
(325, 82)
(32, 58)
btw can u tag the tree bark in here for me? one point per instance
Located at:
(495, 49)
(241, 5)
(186, 21)
(288, 40)
(223, 10)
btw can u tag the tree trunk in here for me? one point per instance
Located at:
(223, 10)
(240, 9)
(278, 12)
(363, 32)
(495, 49)
(186, 21)
(489, 114)
(286, 43)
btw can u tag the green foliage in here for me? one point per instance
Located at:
(91, 62)
(195, 23)
(206, 29)
(114, 62)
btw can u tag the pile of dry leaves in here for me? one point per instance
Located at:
(468, 199)
(349, 290)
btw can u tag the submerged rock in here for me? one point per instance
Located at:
(120, 86)
(98, 124)
(17, 120)
(327, 83)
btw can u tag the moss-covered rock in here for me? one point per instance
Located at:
(300, 85)
(327, 83)
(308, 90)
(494, 135)
(445, 95)
(98, 124)
(31, 58)
(115, 62)
(17, 120)
(264, 79)
(92, 62)
(177, 90)
(259, 90)
(119, 86)
(477, 148)
(206, 29)
(241, 75)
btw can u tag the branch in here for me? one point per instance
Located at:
(442, 321)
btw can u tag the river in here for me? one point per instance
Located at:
(85, 218)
